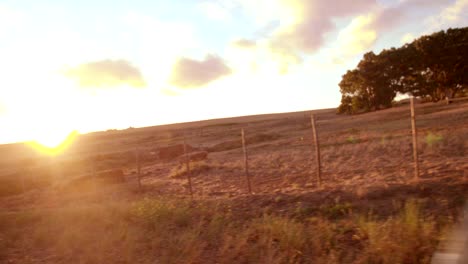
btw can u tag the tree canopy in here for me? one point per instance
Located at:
(432, 67)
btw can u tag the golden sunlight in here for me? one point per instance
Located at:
(53, 143)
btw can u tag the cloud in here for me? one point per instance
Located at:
(407, 38)
(170, 92)
(306, 36)
(106, 73)
(219, 11)
(293, 29)
(262, 11)
(364, 30)
(190, 73)
(453, 15)
(246, 55)
(302, 26)
(158, 43)
(2, 109)
(358, 36)
(10, 19)
(306, 23)
(244, 43)
(405, 11)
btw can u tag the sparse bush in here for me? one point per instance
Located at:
(433, 139)
(385, 139)
(337, 210)
(196, 168)
(352, 139)
(161, 214)
(405, 239)
(269, 239)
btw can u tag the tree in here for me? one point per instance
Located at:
(366, 88)
(433, 66)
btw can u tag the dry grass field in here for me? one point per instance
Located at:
(369, 208)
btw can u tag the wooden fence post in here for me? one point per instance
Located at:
(246, 165)
(94, 160)
(54, 169)
(23, 187)
(415, 139)
(138, 167)
(187, 164)
(317, 150)
(93, 166)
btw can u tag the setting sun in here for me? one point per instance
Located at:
(234, 131)
(53, 143)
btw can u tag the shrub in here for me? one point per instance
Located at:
(352, 139)
(405, 239)
(432, 139)
(196, 168)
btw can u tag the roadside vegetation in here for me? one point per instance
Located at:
(163, 230)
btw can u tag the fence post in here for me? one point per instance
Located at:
(54, 169)
(23, 187)
(246, 164)
(317, 150)
(93, 166)
(94, 160)
(22, 174)
(415, 139)
(138, 167)
(187, 164)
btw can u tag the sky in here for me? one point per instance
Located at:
(94, 65)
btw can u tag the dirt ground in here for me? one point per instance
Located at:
(360, 155)
(367, 160)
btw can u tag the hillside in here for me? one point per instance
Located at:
(49, 215)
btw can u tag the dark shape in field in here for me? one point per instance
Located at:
(174, 151)
(114, 176)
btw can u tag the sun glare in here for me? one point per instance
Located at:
(53, 143)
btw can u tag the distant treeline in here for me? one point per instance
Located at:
(431, 67)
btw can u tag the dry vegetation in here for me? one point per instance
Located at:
(179, 231)
(368, 210)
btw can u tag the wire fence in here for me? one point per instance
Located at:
(256, 159)
(249, 157)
